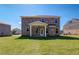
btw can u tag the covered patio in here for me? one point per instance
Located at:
(38, 28)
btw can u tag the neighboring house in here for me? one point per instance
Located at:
(5, 29)
(40, 25)
(72, 27)
(61, 32)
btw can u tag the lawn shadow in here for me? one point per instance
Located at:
(49, 38)
(5, 35)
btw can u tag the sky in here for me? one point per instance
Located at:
(10, 13)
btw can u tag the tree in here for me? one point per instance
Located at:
(16, 31)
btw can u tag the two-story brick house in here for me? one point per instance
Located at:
(40, 25)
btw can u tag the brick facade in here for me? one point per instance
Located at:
(53, 27)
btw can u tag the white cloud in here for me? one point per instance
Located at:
(19, 22)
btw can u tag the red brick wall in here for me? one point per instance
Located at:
(27, 20)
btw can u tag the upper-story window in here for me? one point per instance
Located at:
(51, 22)
(31, 19)
(56, 20)
(42, 20)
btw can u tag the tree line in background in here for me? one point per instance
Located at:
(16, 31)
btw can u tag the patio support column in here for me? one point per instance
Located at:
(45, 31)
(30, 30)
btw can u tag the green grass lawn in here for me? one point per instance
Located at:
(39, 46)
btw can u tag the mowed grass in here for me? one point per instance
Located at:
(60, 46)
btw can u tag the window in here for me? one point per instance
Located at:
(51, 22)
(46, 30)
(56, 30)
(27, 29)
(32, 19)
(37, 29)
(42, 20)
(2, 33)
(56, 20)
(51, 29)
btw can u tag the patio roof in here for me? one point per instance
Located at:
(38, 23)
